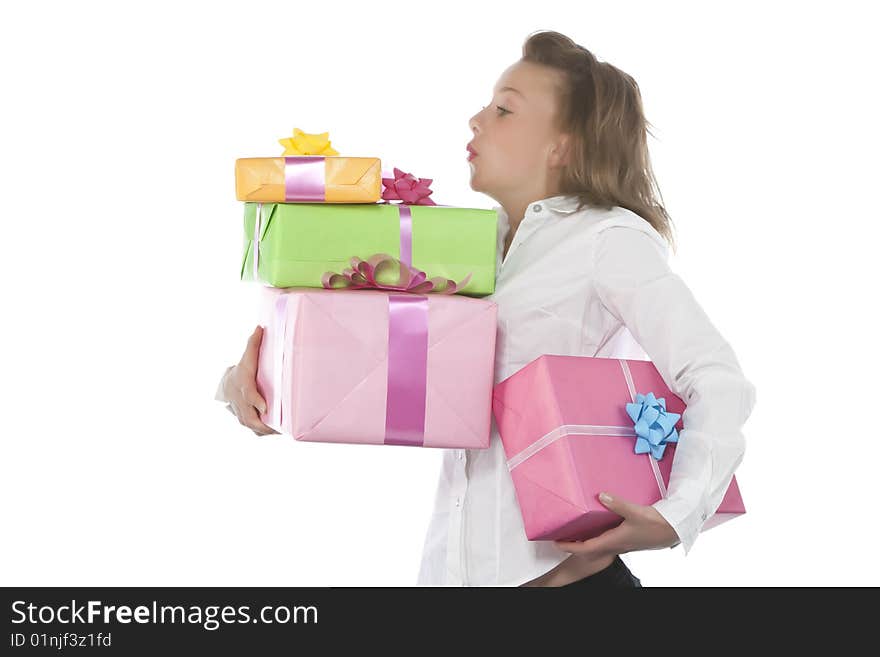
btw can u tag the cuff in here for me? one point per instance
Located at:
(686, 519)
(218, 395)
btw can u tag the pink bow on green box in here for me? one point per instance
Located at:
(384, 272)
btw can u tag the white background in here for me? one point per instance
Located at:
(121, 254)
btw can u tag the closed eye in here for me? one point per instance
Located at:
(502, 110)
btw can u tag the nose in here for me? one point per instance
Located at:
(473, 123)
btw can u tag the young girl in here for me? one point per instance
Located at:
(582, 270)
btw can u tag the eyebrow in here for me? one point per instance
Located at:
(512, 89)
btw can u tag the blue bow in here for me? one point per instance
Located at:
(655, 428)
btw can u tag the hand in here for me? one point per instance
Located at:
(240, 387)
(643, 528)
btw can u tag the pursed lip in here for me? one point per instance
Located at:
(471, 152)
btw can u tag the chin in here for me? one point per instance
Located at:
(476, 183)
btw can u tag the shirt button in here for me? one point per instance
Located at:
(536, 207)
(457, 501)
(704, 516)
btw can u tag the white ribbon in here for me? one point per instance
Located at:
(280, 328)
(590, 430)
(258, 220)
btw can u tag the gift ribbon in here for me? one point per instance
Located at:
(406, 229)
(405, 238)
(405, 235)
(258, 220)
(406, 387)
(365, 274)
(591, 430)
(304, 179)
(280, 332)
(409, 190)
(654, 426)
(407, 370)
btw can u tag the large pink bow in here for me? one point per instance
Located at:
(407, 188)
(378, 270)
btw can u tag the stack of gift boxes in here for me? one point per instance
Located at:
(375, 332)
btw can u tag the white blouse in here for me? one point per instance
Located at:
(589, 282)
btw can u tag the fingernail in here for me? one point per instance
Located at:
(605, 497)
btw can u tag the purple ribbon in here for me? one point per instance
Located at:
(304, 179)
(406, 229)
(405, 235)
(407, 370)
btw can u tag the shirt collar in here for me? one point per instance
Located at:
(562, 204)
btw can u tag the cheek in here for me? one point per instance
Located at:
(518, 155)
(509, 154)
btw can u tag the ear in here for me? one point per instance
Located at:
(559, 152)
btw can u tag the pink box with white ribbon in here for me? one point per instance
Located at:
(568, 435)
(377, 367)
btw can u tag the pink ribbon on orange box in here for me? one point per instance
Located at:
(654, 428)
(304, 181)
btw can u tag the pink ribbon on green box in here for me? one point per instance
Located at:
(410, 190)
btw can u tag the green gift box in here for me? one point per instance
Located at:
(299, 242)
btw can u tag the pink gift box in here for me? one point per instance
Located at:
(377, 367)
(567, 437)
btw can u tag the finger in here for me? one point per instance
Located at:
(620, 506)
(234, 409)
(252, 350)
(252, 396)
(611, 540)
(233, 406)
(253, 422)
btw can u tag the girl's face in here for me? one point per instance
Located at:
(516, 144)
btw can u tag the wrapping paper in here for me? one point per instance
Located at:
(567, 436)
(344, 179)
(297, 243)
(340, 366)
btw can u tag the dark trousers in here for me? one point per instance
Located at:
(615, 576)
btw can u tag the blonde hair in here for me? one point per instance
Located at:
(601, 107)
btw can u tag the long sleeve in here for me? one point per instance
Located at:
(634, 282)
(218, 395)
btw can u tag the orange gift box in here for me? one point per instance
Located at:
(308, 179)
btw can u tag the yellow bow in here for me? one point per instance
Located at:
(303, 143)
